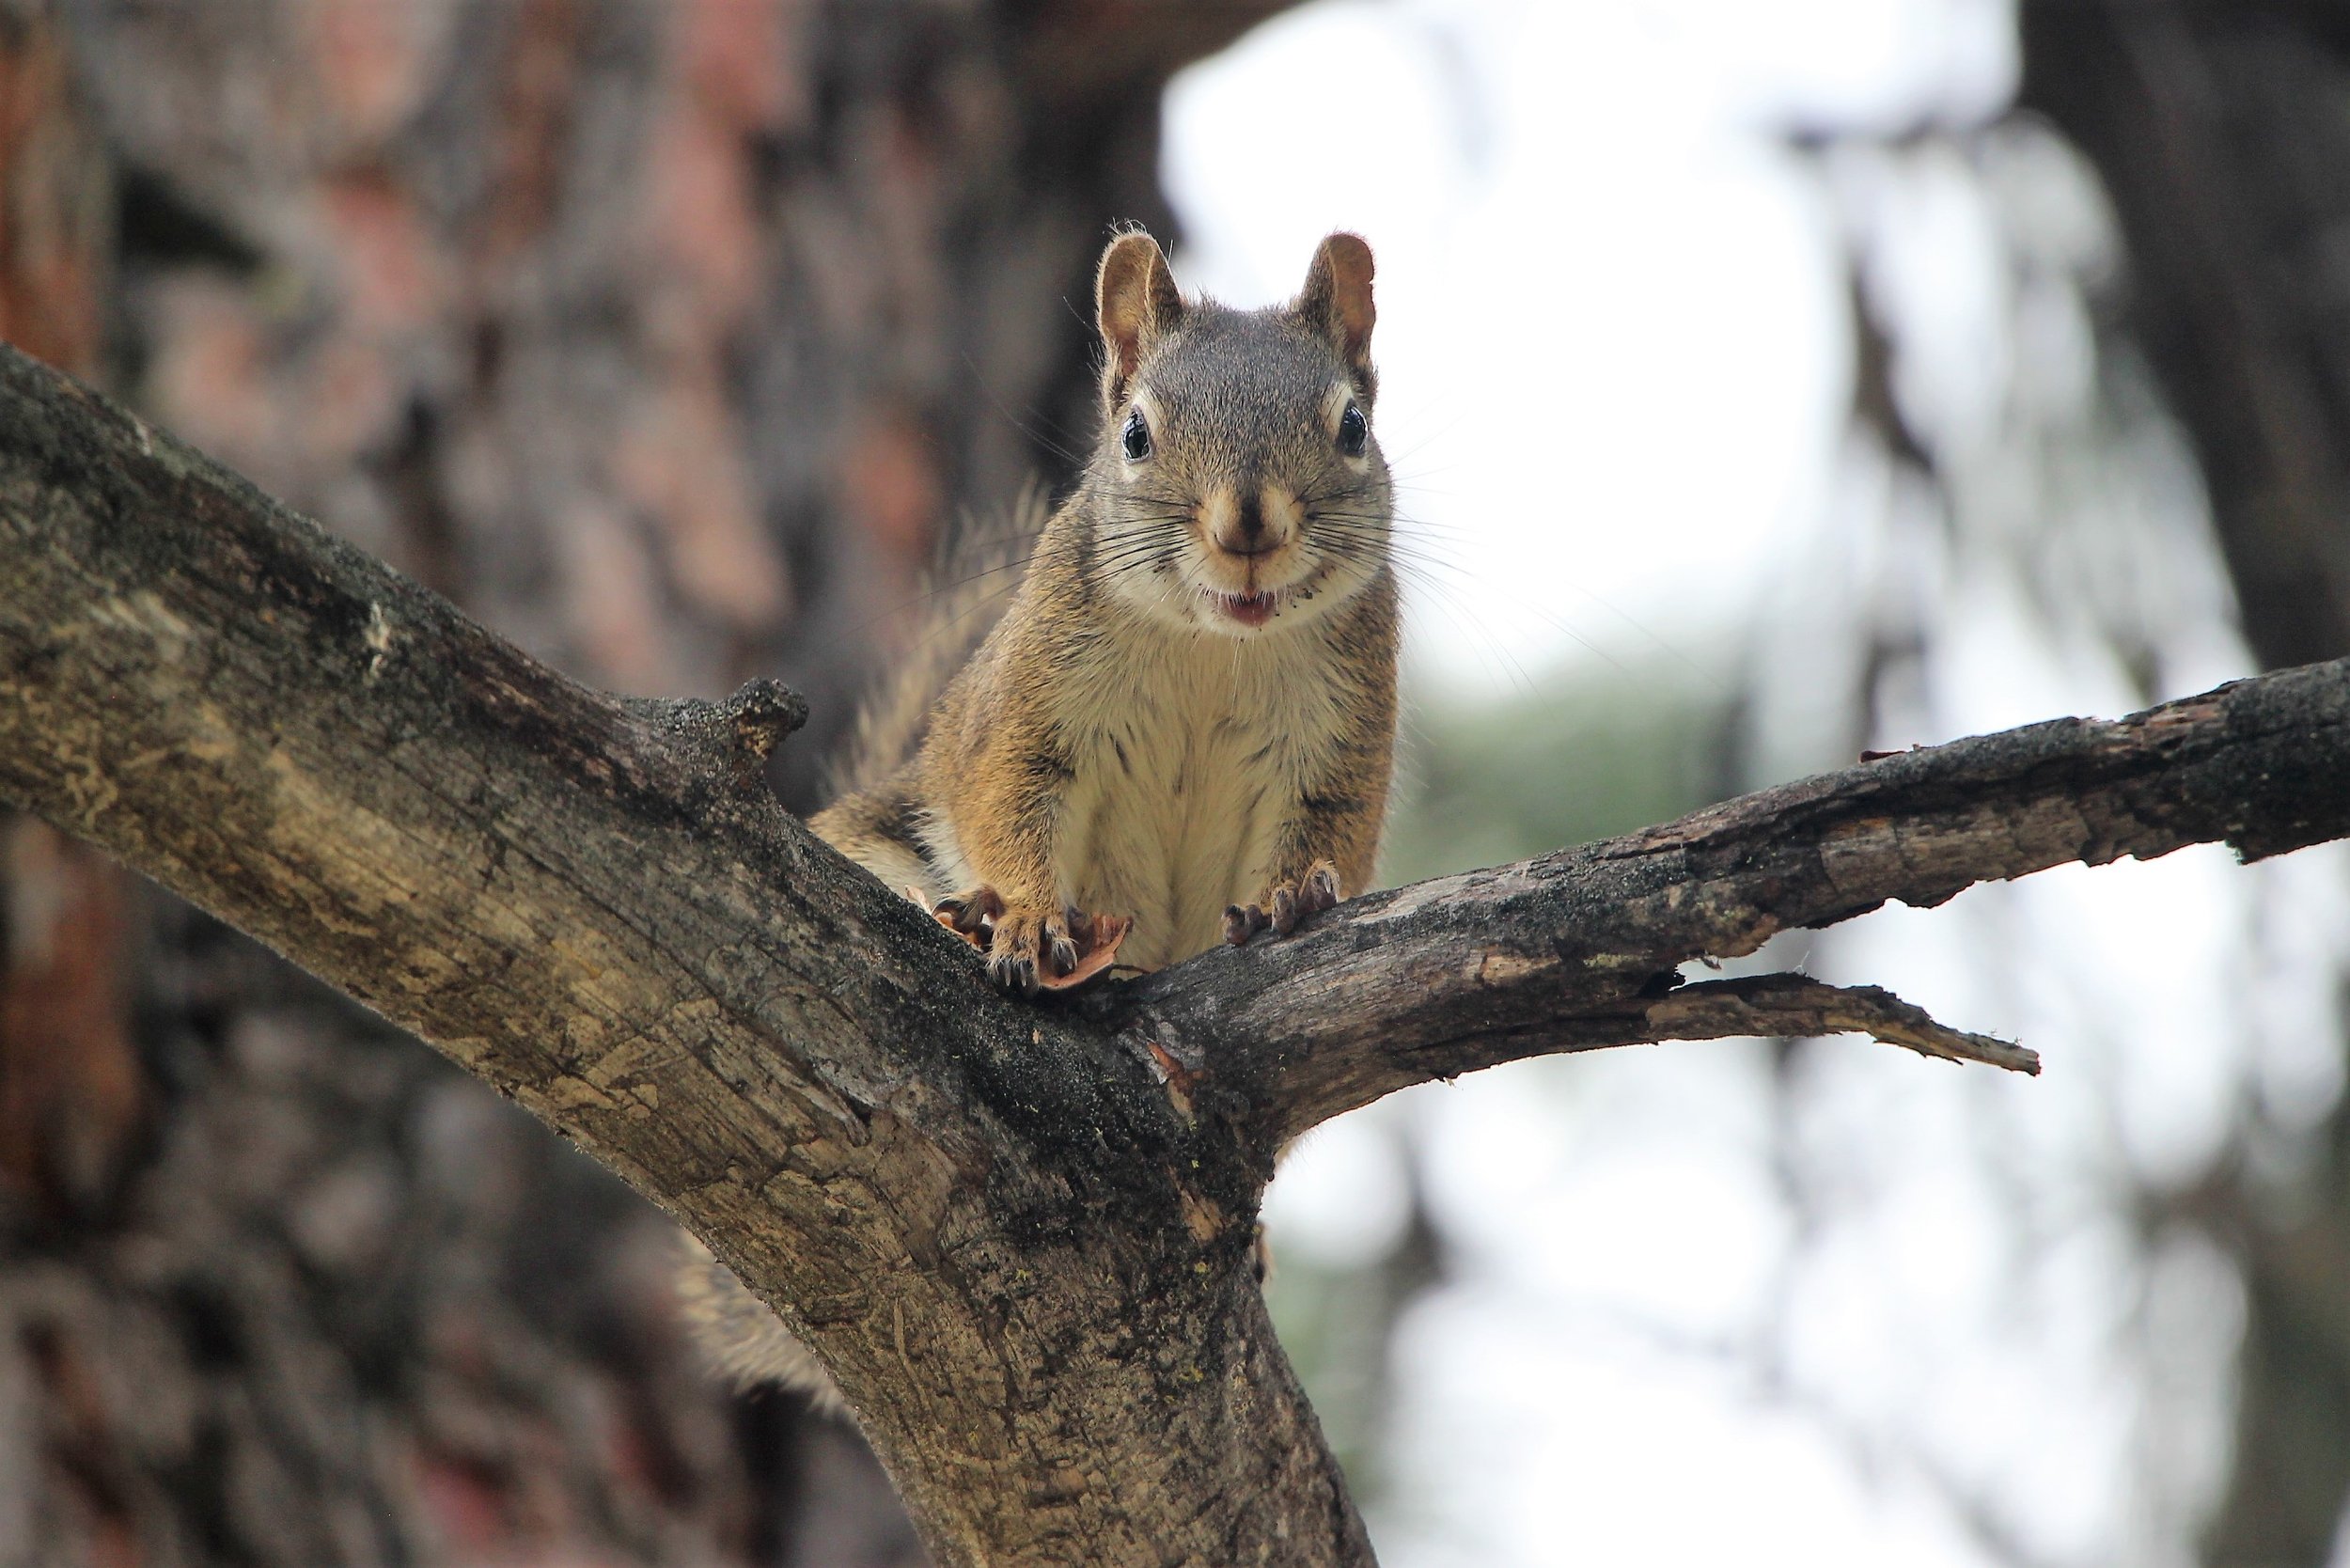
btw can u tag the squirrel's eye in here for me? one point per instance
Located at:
(1353, 432)
(1135, 441)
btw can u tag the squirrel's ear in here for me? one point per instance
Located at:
(1137, 303)
(1337, 298)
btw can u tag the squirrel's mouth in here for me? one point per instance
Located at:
(1249, 609)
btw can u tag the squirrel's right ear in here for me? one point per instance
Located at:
(1136, 304)
(1336, 299)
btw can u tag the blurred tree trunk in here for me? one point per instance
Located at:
(2222, 131)
(665, 337)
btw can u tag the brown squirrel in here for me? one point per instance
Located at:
(1186, 716)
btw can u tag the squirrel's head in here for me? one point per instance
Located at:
(1238, 486)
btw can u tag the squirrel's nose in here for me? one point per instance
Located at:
(1246, 529)
(1251, 521)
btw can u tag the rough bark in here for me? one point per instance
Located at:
(1018, 1234)
(666, 336)
(795, 1052)
(1467, 971)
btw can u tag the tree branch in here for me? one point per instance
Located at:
(1580, 948)
(1017, 1234)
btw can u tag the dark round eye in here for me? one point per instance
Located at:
(1353, 432)
(1134, 441)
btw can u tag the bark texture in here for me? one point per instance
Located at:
(761, 1038)
(1018, 1234)
(1463, 972)
(665, 335)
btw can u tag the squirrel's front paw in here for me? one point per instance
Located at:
(1032, 949)
(1284, 904)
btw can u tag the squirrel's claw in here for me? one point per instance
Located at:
(1319, 891)
(967, 914)
(1284, 905)
(1028, 952)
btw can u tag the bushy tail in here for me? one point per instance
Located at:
(969, 589)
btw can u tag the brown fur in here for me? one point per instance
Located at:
(1123, 741)
(1117, 744)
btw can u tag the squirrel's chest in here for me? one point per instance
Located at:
(1184, 776)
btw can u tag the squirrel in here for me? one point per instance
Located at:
(1186, 716)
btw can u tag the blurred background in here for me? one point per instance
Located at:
(1766, 382)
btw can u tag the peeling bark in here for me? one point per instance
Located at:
(1017, 1234)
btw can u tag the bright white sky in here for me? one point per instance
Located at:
(1614, 350)
(1612, 330)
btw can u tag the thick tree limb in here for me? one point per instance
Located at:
(1017, 1234)
(1026, 1274)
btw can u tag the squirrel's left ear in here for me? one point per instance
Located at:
(1136, 304)
(1337, 298)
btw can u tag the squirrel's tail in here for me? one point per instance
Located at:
(970, 587)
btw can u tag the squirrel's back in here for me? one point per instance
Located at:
(874, 813)
(966, 593)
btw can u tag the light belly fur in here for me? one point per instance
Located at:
(1170, 841)
(1194, 754)
(1189, 752)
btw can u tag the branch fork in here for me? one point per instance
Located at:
(1017, 1234)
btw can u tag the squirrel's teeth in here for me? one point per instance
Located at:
(1249, 609)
